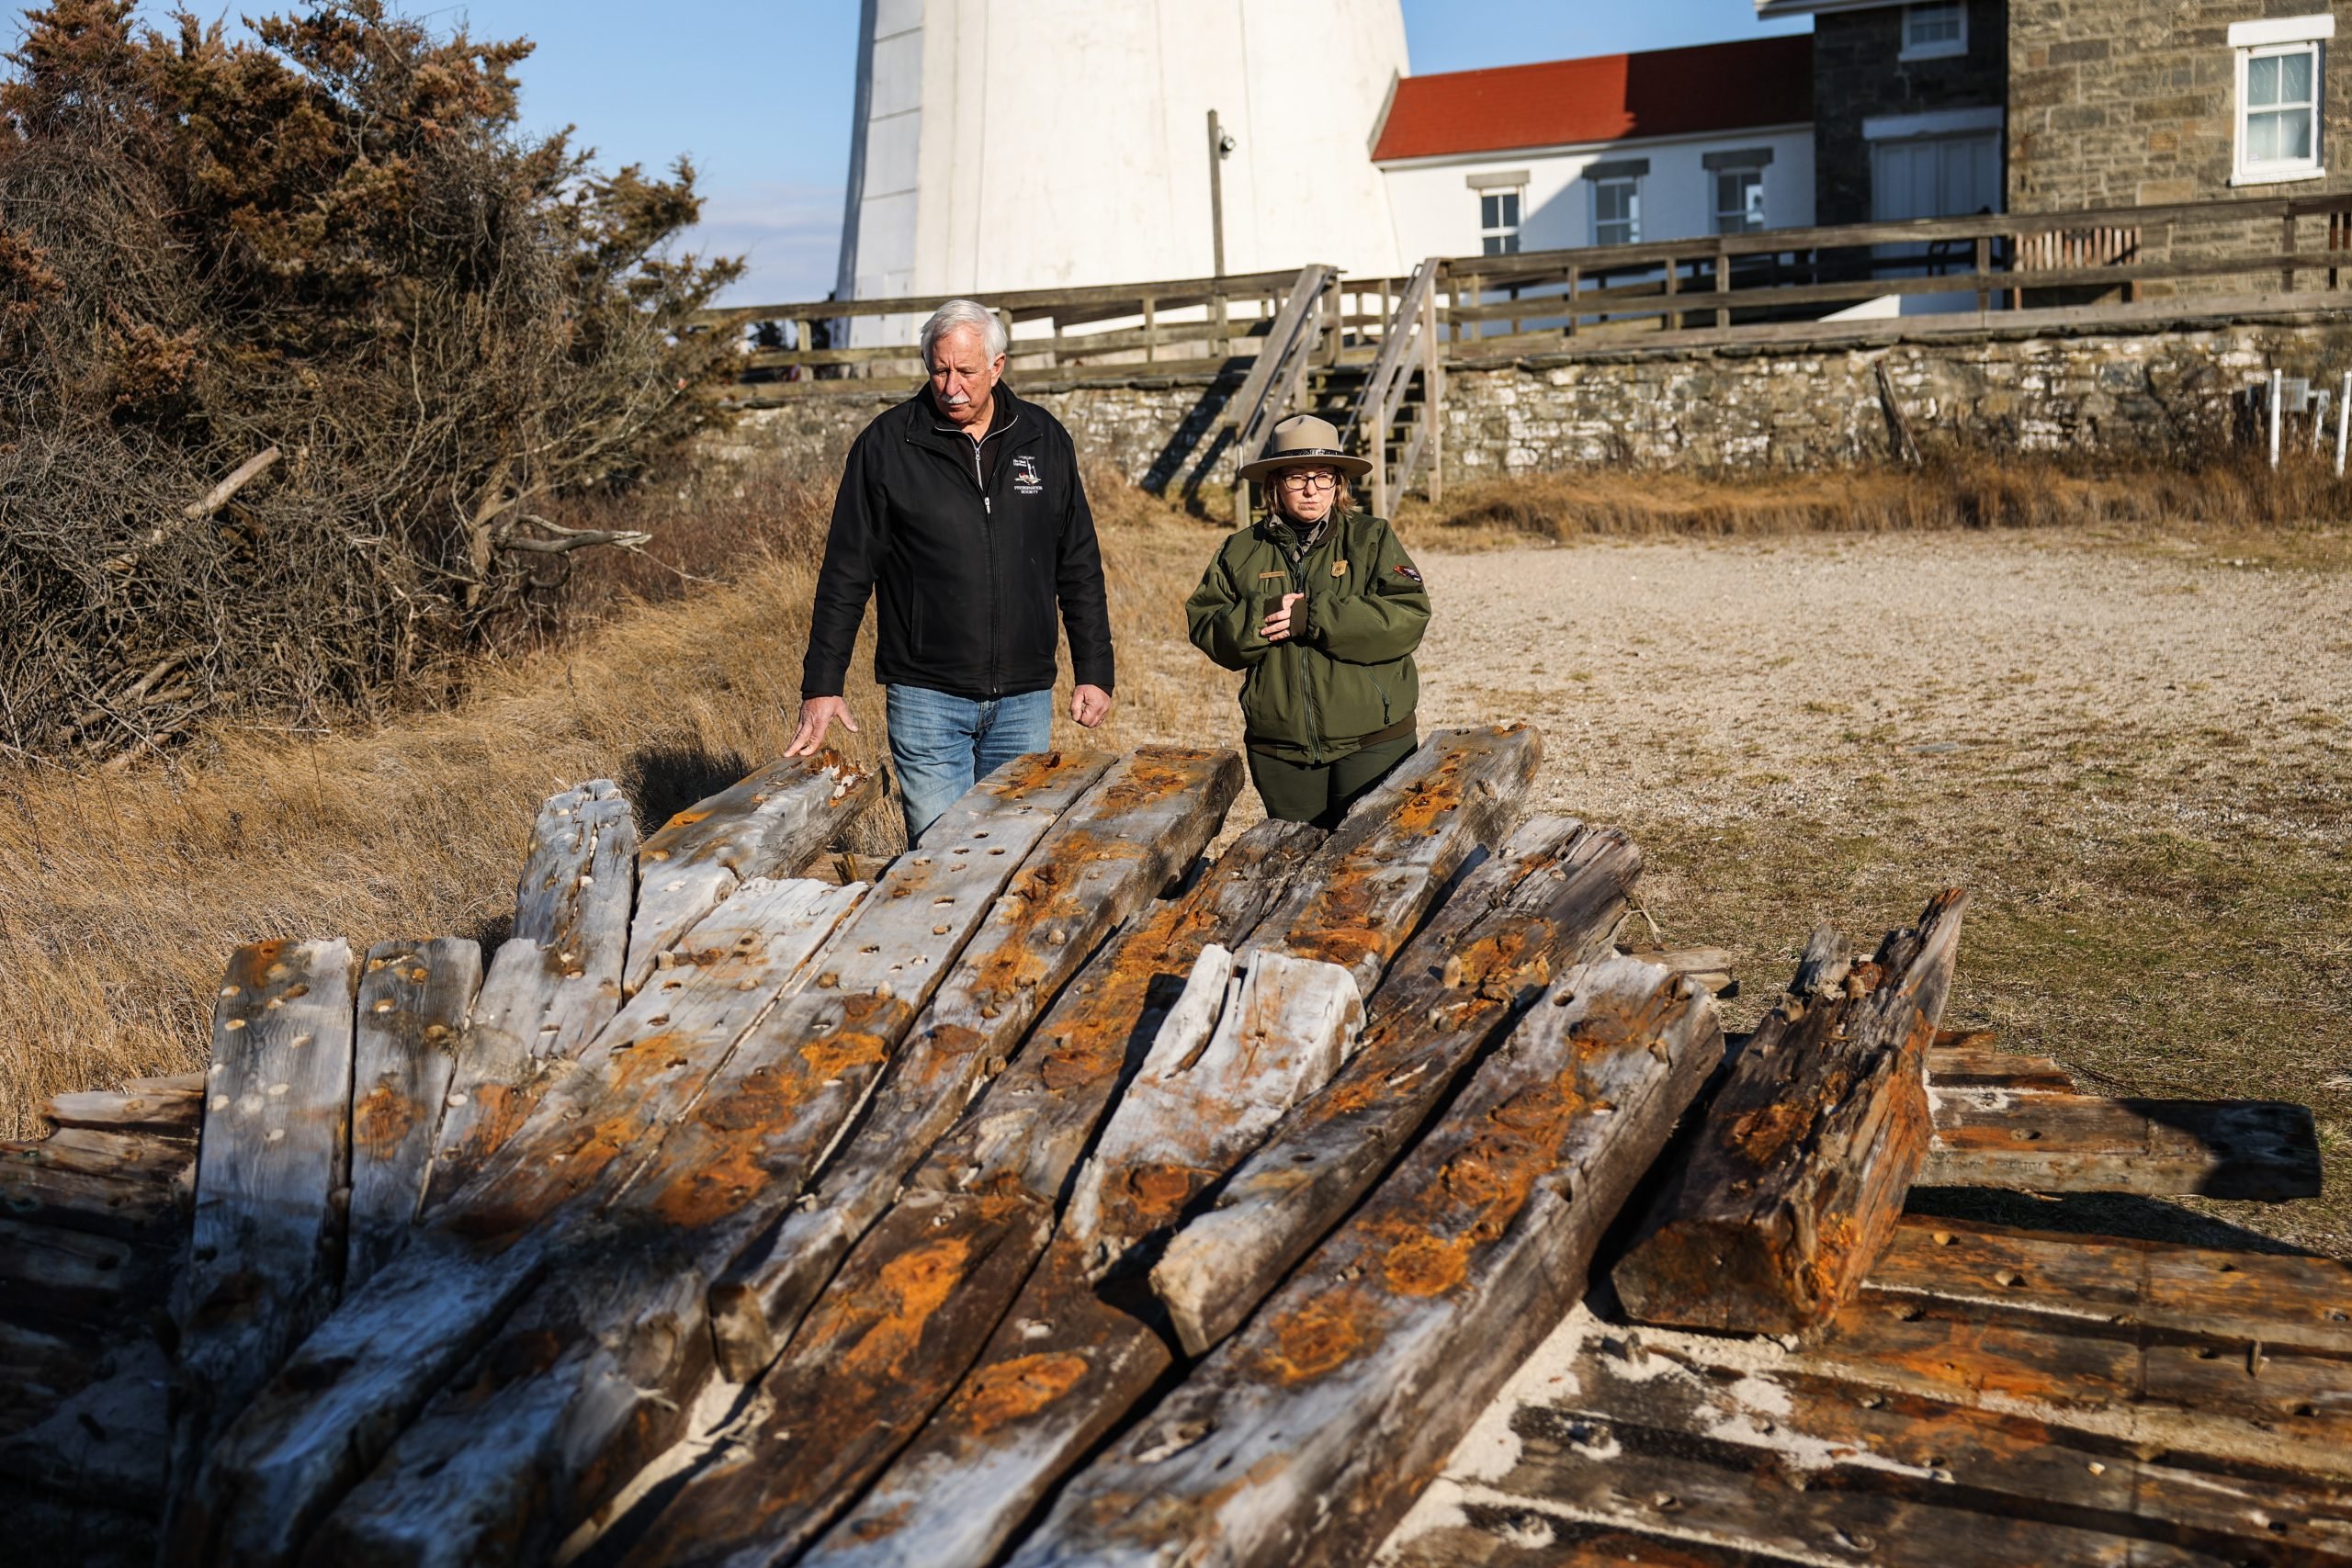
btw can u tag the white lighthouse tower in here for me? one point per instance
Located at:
(1009, 144)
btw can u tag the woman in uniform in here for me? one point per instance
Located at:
(1319, 607)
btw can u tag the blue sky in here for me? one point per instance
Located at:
(757, 92)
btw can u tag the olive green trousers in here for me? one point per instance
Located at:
(1298, 791)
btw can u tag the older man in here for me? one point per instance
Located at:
(962, 511)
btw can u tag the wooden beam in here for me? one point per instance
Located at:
(1128, 837)
(767, 825)
(1387, 865)
(1802, 1167)
(1306, 1437)
(414, 1000)
(1547, 902)
(267, 1242)
(594, 1375)
(2046, 1141)
(551, 985)
(177, 1109)
(362, 1376)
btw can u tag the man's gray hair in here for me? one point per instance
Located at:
(958, 313)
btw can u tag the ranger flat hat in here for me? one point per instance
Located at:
(1304, 441)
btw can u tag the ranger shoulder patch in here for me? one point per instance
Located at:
(1409, 571)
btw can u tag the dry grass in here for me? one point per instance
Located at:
(2160, 898)
(1951, 490)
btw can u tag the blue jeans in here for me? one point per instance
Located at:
(944, 745)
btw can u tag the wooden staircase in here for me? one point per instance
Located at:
(1397, 430)
(1278, 376)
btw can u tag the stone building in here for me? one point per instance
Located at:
(2122, 103)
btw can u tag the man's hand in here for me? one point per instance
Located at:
(1090, 705)
(1277, 626)
(816, 714)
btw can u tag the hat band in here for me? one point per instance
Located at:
(1303, 452)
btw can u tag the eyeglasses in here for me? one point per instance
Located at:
(1309, 478)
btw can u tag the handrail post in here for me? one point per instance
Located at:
(1672, 319)
(1575, 284)
(1434, 393)
(1984, 275)
(1722, 287)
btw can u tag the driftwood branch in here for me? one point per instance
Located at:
(568, 539)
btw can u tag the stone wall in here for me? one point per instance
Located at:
(1858, 74)
(2167, 389)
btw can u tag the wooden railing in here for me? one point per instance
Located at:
(1782, 284)
(1279, 374)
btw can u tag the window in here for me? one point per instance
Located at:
(2280, 65)
(1934, 31)
(1499, 222)
(1617, 210)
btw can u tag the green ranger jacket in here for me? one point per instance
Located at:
(1345, 675)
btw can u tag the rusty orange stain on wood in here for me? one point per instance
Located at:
(1314, 1339)
(380, 1122)
(1762, 1133)
(1017, 1389)
(1425, 1265)
(831, 1055)
(916, 1283)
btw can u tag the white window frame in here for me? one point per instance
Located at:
(1718, 212)
(1934, 49)
(1506, 233)
(2275, 38)
(1632, 220)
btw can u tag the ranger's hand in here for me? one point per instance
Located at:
(816, 714)
(1277, 625)
(1090, 705)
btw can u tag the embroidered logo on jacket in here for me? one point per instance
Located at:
(1409, 571)
(1024, 475)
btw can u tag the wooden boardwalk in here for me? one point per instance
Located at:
(1065, 1196)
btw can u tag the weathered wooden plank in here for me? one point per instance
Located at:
(552, 985)
(2230, 1299)
(1386, 865)
(1128, 837)
(366, 1371)
(414, 1000)
(766, 826)
(267, 1246)
(1234, 1050)
(109, 1440)
(44, 1363)
(2043, 1141)
(595, 1376)
(1547, 903)
(37, 1191)
(1305, 1436)
(1972, 1060)
(135, 1156)
(1598, 1401)
(175, 1108)
(1802, 1167)
(76, 1277)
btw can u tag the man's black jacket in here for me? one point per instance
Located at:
(967, 574)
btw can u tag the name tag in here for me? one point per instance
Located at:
(1284, 575)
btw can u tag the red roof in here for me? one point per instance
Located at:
(1609, 97)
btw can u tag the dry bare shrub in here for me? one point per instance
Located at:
(334, 243)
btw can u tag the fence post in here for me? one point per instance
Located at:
(1576, 282)
(1673, 319)
(1984, 275)
(2343, 421)
(2287, 248)
(1722, 285)
(2278, 391)
(1434, 393)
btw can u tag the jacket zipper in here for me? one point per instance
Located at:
(987, 545)
(1305, 686)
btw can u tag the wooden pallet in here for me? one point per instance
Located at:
(1055, 1196)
